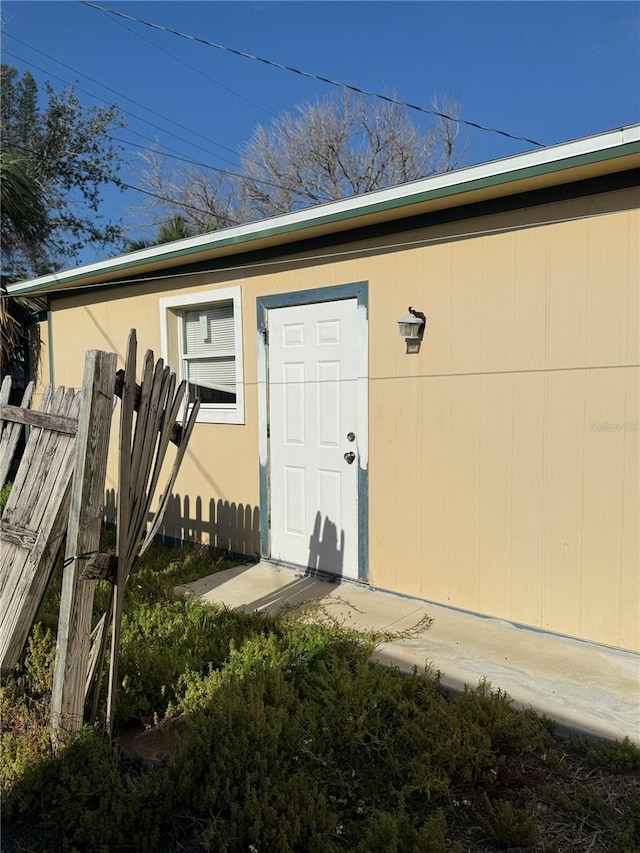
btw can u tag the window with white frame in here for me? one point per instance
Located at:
(202, 341)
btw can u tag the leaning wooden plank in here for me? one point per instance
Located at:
(34, 477)
(83, 537)
(127, 410)
(153, 432)
(98, 653)
(39, 563)
(28, 506)
(170, 413)
(187, 429)
(42, 506)
(35, 510)
(123, 516)
(96, 642)
(167, 418)
(141, 439)
(10, 432)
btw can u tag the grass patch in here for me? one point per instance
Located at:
(291, 740)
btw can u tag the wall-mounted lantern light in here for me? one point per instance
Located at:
(411, 328)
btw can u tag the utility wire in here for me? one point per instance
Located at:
(311, 76)
(131, 100)
(134, 115)
(125, 112)
(193, 162)
(192, 67)
(80, 165)
(175, 156)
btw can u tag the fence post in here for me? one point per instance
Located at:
(83, 536)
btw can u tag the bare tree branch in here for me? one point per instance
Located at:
(339, 147)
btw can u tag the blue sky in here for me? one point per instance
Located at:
(550, 71)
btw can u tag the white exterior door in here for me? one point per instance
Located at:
(313, 405)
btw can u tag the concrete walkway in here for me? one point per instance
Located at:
(585, 688)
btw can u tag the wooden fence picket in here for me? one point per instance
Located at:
(10, 430)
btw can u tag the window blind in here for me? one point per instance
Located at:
(210, 330)
(209, 353)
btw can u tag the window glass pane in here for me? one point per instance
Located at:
(213, 380)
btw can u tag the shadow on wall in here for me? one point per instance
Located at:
(234, 528)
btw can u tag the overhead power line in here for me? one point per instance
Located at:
(193, 68)
(189, 130)
(198, 163)
(79, 166)
(175, 156)
(140, 118)
(311, 76)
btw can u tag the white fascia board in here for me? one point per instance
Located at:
(398, 196)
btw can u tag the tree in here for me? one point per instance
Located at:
(175, 228)
(339, 147)
(206, 202)
(57, 159)
(24, 224)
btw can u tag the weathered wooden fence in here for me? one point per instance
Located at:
(142, 447)
(35, 517)
(59, 488)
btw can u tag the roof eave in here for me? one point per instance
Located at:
(501, 177)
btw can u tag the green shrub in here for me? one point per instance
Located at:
(166, 645)
(509, 825)
(24, 739)
(83, 800)
(509, 732)
(293, 741)
(615, 756)
(396, 833)
(24, 711)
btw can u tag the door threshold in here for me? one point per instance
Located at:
(312, 572)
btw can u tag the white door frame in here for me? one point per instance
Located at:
(356, 290)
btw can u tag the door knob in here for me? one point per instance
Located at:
(350, 456)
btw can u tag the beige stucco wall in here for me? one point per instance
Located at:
(503, 458)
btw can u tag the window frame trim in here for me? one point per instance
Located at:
(171, 309)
